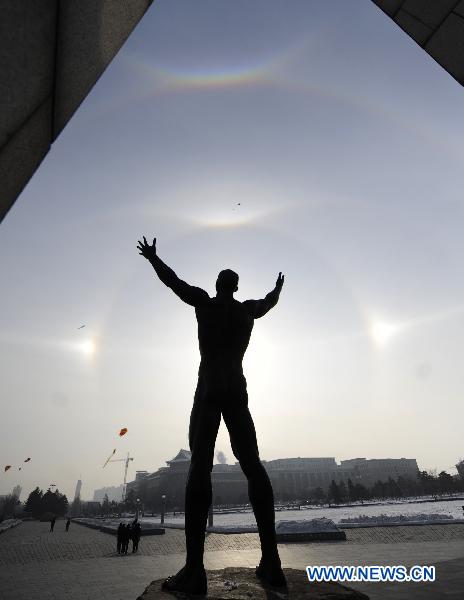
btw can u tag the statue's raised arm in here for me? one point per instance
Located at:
(258, 308)
(187, 293)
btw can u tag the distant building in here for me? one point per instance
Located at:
(114, 493)
(368, 471)
(77, 493)
(17, 491)
(460, 468)
(291, 478)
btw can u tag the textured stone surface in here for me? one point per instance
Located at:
(27, 57)
(242, 584)
(391, 7)
(430, 12)
(436, 25)
(90, 33)
(83, 564)
(419, 32)
(446, 46)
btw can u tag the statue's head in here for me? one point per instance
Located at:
(227, 281)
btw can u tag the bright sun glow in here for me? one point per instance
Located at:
(382, 332)
(88, 347)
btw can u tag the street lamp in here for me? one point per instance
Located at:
(137, 509)
(163, 507)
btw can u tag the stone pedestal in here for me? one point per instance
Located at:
(242, 584)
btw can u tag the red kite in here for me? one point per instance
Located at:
(123, 431)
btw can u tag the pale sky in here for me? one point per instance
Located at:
(342, 141)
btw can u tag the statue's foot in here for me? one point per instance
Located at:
(270, 572)
(187, 580)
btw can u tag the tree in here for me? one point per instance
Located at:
(7, 506)
(130, 500)
(343, 491)
(445, 482)
(318, 494)
(351, 491)
(105, 508)
(361, 492)
(379, 489)
(54, 502)
(427, 482)
(394, 489)
(34, 503)
(334, 493)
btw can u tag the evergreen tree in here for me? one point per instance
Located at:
(318, 494)
(334, 493)
(361, 492)
(34, 503)
(129, 501)
(394, 490)
(351, 491)
(445, 482)
(55, 503)
(7, 506)
(343, 491)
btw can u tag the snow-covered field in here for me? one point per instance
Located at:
(401, 511)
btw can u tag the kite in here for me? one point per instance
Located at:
(81, 326)
(27, 460)
(19, 469)
(7, 467)
(109, 458)
(123, 431)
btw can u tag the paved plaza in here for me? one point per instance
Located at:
(83, 564)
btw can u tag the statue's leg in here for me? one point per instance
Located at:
(242, 432)
(204, 424)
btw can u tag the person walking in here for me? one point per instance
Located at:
(52, 524)
(68, 523)
(127, 538)
(136, 532)
(119, 538)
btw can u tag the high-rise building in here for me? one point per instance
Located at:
(17, 491)
(113, 492)
(77, 493)
(460, 468)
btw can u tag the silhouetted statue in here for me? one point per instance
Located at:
(224, 330)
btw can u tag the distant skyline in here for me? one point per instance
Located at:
(316, 139)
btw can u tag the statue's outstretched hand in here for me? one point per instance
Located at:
(146, 250)
(279, 282)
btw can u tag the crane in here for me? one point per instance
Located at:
(126, 461)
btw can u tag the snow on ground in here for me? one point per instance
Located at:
(397, 518)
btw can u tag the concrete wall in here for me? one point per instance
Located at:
(51, 54)
(436, 25)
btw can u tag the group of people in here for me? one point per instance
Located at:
(126, 533)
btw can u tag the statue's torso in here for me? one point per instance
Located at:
(224, 330)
